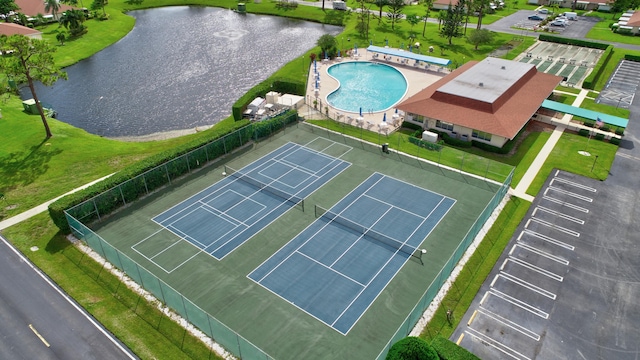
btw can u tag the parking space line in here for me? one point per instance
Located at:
(536, 269)
(517, 327)
(484, 297)
(519, 303)
(553, 226)
(569, 182)
(577, 196)
(496, 345)
(630, 157)
(460, 339)
(564, 203)
(547, 239)
(527, 285)
(558, 214)
(473, 316)
(543, 253)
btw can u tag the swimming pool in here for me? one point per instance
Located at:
(367, 85)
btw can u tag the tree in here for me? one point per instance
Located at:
(442, 15)
(73, 20)
(327, 43)
(395, 11)
(31, 61)
(480, 5)
(99, 4)
(412, 348)
(60, 37)
(364, 17)
(452, 22)
(52, 6)
(413, 20)
(480, 37)
(7, 6)
(380, 4)
(428, 4)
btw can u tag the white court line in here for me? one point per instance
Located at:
(515, 326)
(572, 194)
(564, 203)
(558, 214)
(535, 268)
(574, 184)
(543, 253)
(547, 239)
(519, 303)
(333, 143)
(527, 285)
(330, 268)
(496, 344)
(553, 226)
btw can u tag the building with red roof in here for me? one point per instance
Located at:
(488, 101)
(9, 29)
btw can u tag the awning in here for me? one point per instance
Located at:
(585, 113)
(409, 55)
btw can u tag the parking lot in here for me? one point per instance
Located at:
(518, 23)
(622, 85)
(567, 284)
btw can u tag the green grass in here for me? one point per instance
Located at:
(138, 324)
(568, 89)
(601, 31)
(593, 94)
(527, 152)
(33, 171)
(565, 156)
(466, 285)
(617, 55)
(605, 109)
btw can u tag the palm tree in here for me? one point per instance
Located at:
(52, 6)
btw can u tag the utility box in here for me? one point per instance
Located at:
(429, 136)
(339, 5)
(30, 107)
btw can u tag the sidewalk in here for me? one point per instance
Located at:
(521, 190)
(42, 207)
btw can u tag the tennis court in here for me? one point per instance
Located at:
(337, 267)
(223, 216)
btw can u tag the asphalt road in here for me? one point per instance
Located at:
(39, 321)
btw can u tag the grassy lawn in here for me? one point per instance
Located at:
(568, 89)
(565, 156)
(601, 30)
(605, 109)
(141, 326)
(466, 285)
(610, 66)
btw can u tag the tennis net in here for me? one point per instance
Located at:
(365, 231)
(262, 186)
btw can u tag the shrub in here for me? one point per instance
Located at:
(578, 42)
(425, 144)
(599, 136)
(412, 126)
(584, 132)
(412, 348)
(451, 140)
(620, 131)
(614, 141)
(448, 350)
(591, 80)
(631, 57)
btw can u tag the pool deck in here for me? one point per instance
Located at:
(418, 78)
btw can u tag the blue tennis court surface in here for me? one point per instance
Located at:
(225, 215)
(336, 267)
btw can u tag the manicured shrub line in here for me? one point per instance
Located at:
(591, 80)
(577, 42)
(425, 144)
(448, 350)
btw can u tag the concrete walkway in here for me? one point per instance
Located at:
(521, 190)
(42, 207)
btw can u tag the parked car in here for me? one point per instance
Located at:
(536, 17)
(543, 11)
(558, 22)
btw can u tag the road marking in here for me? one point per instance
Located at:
(519, 303)
(484, 298)
(496, 345)
(473, 316)
(527, 285)
(574, 184)
(517, 327)
(564, 203)
(460, 339)
(38, 335)
(543, 253)
(572, 194)
(536, 269)
(630, 157)
(558, 214)
(553, 226)
(547, 239)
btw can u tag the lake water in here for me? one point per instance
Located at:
(179, 68)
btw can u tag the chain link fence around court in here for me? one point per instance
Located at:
(412, 319)
(110, 200)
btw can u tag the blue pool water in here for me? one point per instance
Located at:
(366, 85)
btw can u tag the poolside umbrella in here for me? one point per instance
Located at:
(317, 83)
(410, 48)
(325, 55)
(396, 115)
(360, 111)
(315, 65)
(384, 118)
(370, 42)
(338, 53)
(355, 48)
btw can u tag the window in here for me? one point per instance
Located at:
(481, 135)
(444, 125)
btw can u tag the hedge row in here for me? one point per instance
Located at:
(631, 57)
(577, 42)
(284, 86)
(591, 80)
(150, 174)
(448, 350)
(449, 140)
(425, 144)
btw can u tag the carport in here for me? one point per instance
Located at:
(409, 55)
(585, 113)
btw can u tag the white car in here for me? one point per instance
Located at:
(558, 22)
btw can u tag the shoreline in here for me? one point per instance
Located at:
(163, 135)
